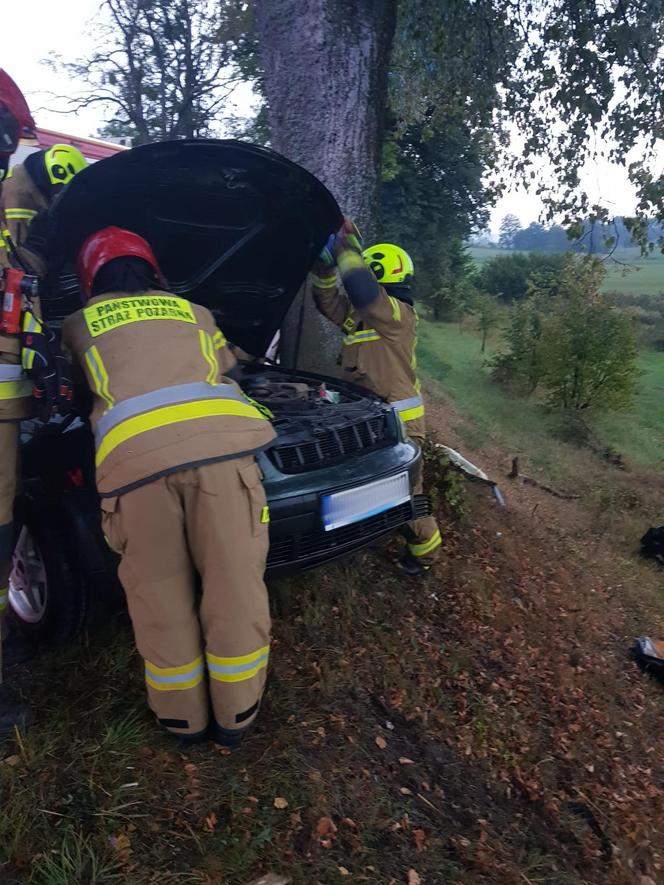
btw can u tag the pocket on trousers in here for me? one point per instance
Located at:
(111, 524)
(252, 481)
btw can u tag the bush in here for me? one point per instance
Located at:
(512, 277)
(576, 347)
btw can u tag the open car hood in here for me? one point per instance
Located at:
(234, 226)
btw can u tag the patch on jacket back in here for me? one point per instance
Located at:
(115, 312)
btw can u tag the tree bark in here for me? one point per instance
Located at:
(326, 65)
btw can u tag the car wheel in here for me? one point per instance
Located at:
(46, 596)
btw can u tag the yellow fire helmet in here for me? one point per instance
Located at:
(390, 264)
(63, 162)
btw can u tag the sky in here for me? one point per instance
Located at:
(43, 32)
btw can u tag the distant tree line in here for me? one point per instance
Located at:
(592, 237)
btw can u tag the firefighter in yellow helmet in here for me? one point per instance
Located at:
(379, 322)
(181, 492)
(33, 186)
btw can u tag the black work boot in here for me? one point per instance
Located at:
(411, 566)
(13, 713)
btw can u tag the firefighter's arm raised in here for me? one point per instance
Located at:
(329, 298)
(368, 297)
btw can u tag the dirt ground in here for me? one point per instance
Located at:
(483, 726)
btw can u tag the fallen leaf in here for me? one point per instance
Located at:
(343, 871)
(414, 878)
(404, 760)
(280, 802)
(405, 791)
(420, 838)
(12, 760)
(326, 827)
(381, 742)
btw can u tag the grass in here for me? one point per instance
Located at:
(627, 271)
(451, 357)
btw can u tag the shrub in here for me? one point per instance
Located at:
(511, 277)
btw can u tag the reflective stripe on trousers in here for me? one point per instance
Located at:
(13, 383)
(410, 409)
(168, 405)
(175, 678)
(428, 546)
(230, 669)
(237, 669)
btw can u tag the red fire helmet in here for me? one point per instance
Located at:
(13, 101)
(104, 246)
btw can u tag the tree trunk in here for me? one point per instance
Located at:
(326, 65)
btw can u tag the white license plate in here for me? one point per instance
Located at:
(361, 502)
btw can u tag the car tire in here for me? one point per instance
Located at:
(47, 597)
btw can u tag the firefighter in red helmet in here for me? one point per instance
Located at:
(180, 489)
(15, 391)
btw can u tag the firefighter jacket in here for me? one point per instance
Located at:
(155, 364)
(378, 347)
(21, 200)
(16, 400)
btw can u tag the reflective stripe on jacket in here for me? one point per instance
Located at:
(155, 364)
(21, 200)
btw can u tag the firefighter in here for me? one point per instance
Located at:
(32, 186)
(379, 323)
(15, 394)
(181, 492)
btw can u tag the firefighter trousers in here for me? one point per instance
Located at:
(205, 662)
(8, 467)
(422, 535)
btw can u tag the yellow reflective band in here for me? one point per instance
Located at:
(175, 678)
(428, 546)
(4, 598)
(324, 282)
(396, 308)
(20, 214)
(265, 514)
(172, 415)
(418, 385)
(31, 323)
(28, 358)
(412, 414)
(219, 340)
(207, 349)
(361, 337)
(115, 312)
(99, 374)
(237, 669)
(15, 389)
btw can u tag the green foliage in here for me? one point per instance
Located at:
(574, 346)
(521, 365)
(442, 481)
(510, 226)
(487, 313)
(508, 277)
(558, 71)
(431, 197)
(589, 349)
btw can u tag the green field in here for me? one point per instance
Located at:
(451, 357)
(627, 271)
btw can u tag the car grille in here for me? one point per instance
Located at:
(332, 445)
(297, 549)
